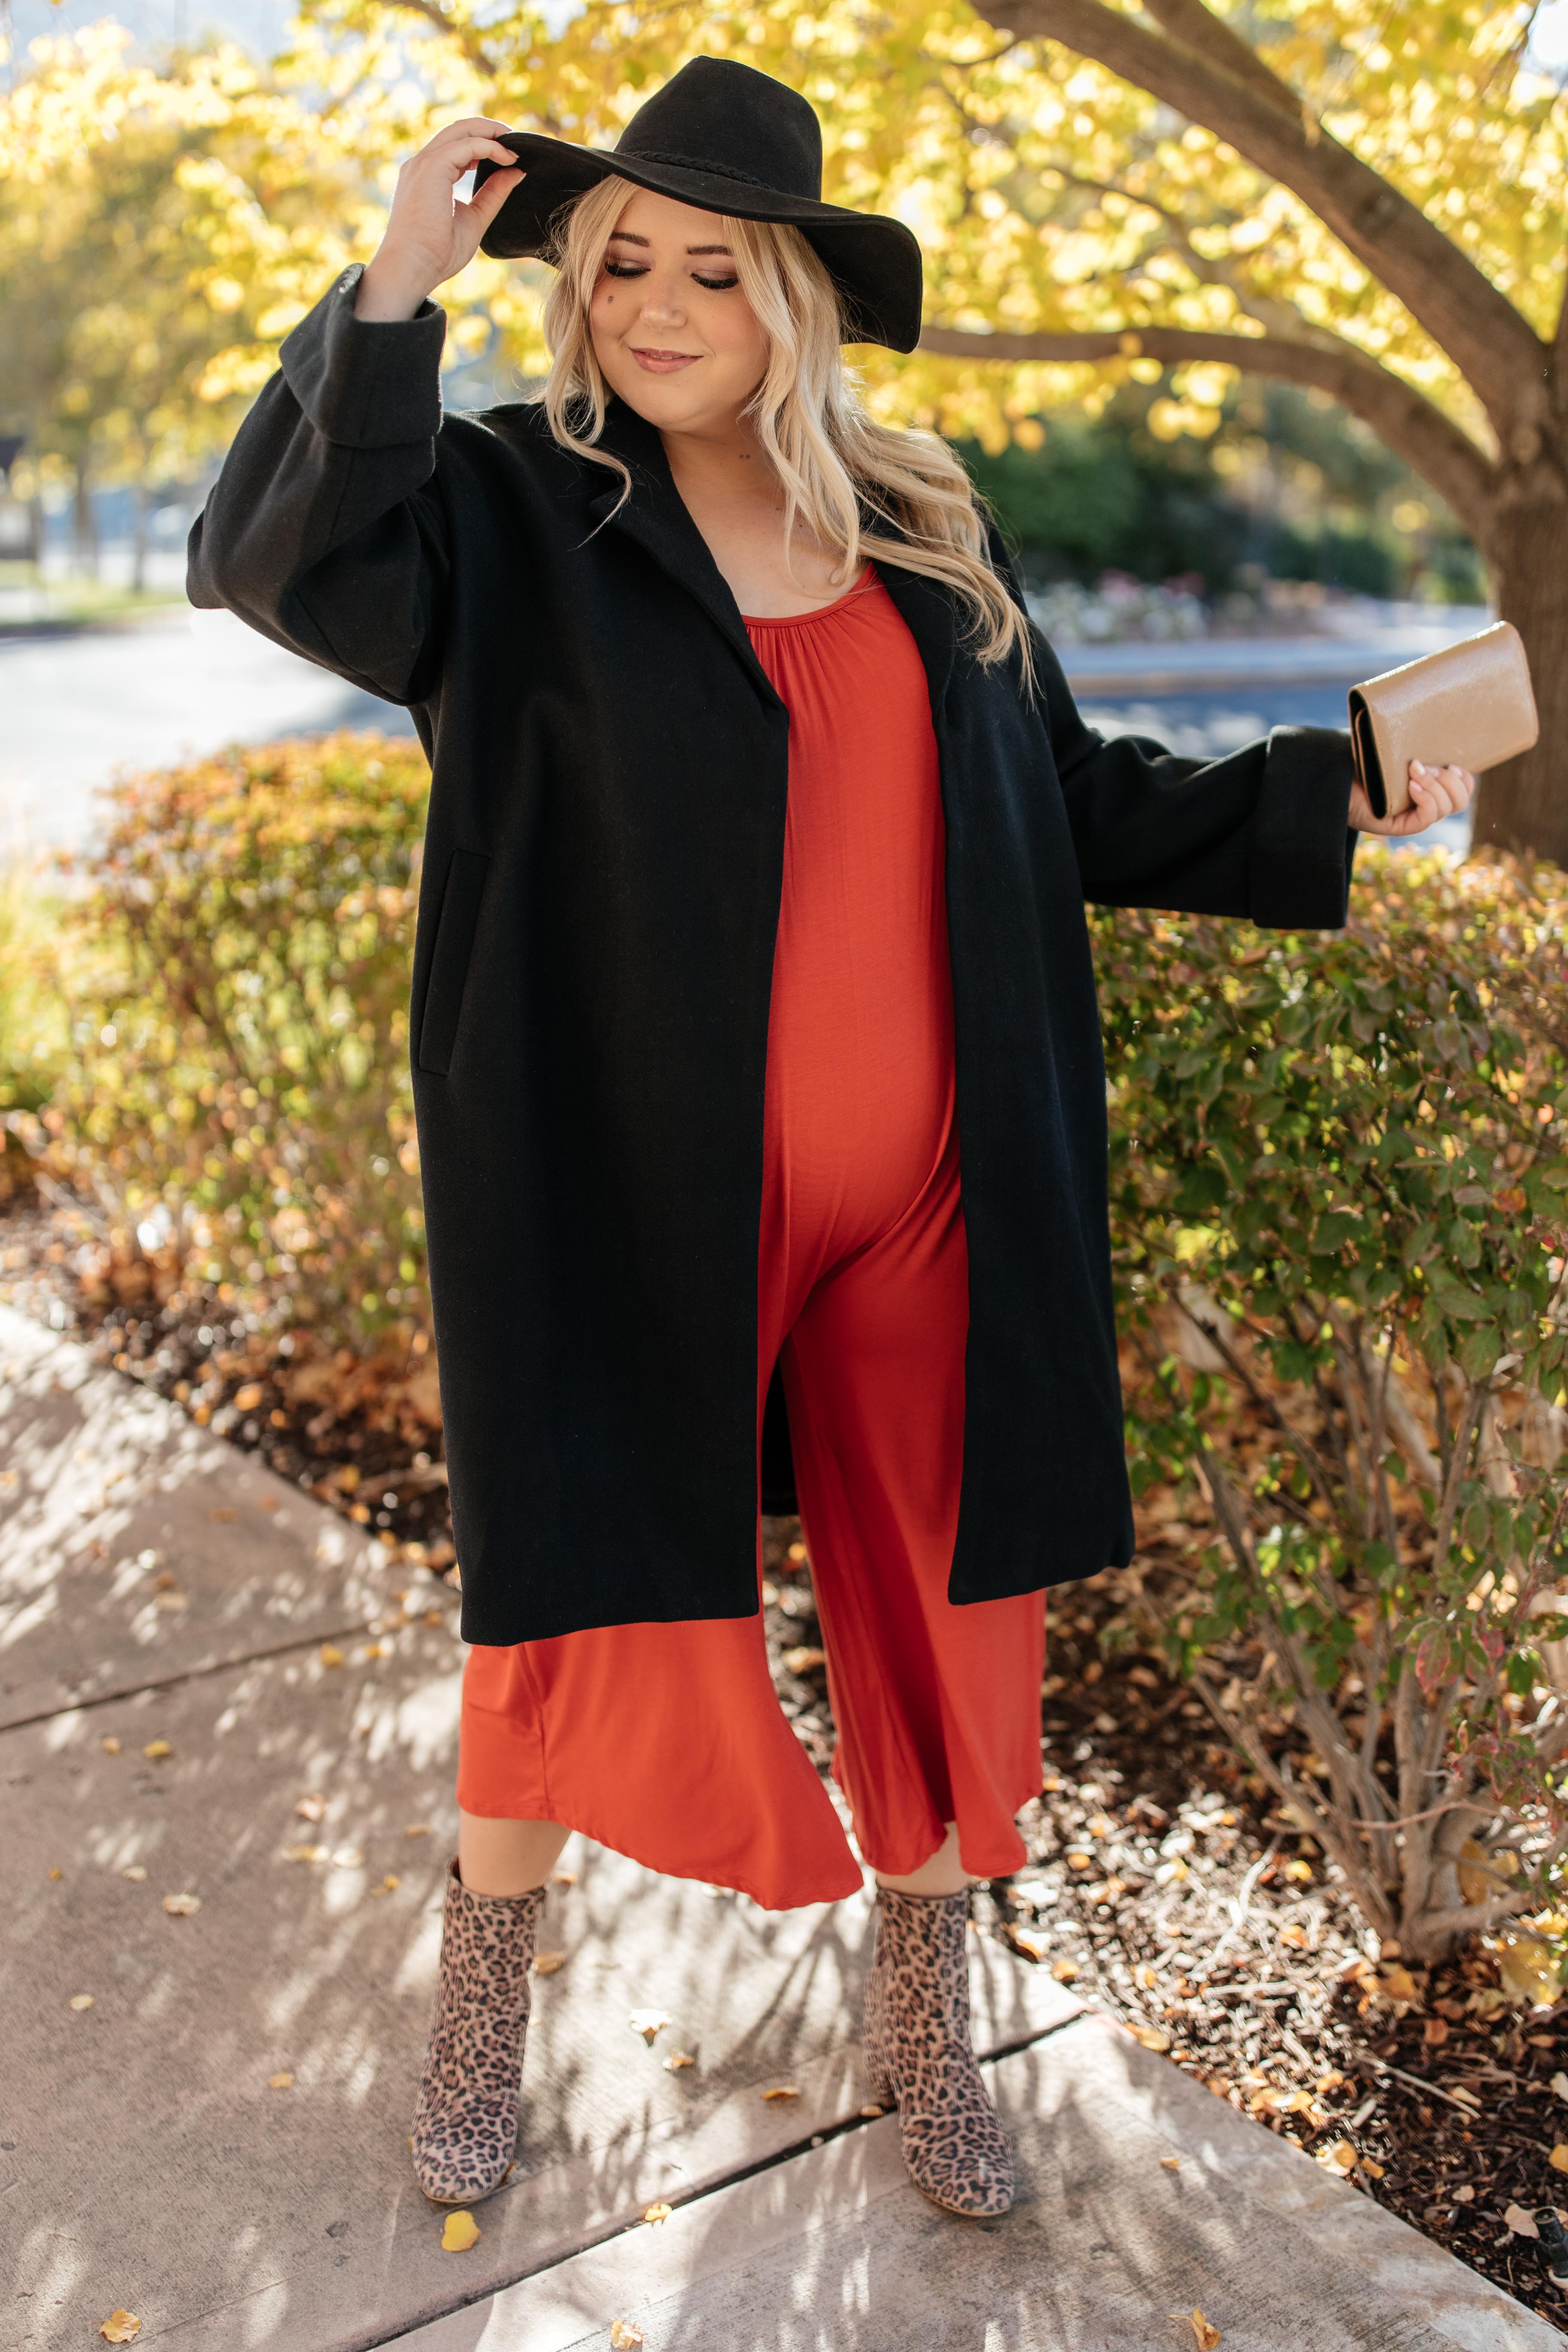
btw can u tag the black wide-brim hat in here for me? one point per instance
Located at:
(726, 139)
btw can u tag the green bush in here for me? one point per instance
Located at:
(236, 972)
(1111, 495)
(1340, 1229)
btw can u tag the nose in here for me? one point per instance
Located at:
(661, 297)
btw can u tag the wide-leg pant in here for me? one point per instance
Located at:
(666, 1741)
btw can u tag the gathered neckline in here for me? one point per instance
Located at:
(821, 612)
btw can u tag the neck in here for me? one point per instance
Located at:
(722, 460)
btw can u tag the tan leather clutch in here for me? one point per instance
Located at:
(1471, 706)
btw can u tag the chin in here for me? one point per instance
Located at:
(661, 401)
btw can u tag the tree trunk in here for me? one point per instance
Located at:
(84, 523)
(1523, 804)
(139, 543)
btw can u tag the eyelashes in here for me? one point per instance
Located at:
(639, 270)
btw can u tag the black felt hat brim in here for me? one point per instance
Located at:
(874, 261)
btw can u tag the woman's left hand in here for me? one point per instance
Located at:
(1434, 792)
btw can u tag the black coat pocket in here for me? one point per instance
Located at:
(454, 929)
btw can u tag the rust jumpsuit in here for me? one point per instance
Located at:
(666, 1741)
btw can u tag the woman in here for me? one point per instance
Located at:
(751, 913)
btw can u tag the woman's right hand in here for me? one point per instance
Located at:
(430, 236)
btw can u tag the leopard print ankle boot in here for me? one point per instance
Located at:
(465, 2126)
(919, 2053)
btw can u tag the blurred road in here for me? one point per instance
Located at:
(75, 708)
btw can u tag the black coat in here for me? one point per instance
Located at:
(592, 969)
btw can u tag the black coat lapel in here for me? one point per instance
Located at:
(927, 609)
(655, 516)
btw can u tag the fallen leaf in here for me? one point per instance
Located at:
(348, 1857)
(461, 2233)
(658, 2212)
(564, 1878)
(546, 1963)
(120, 2327)
(1152, 2037)
(311, 1809)
(110, 1746)
(284, 2082)
(1520, 2223)
(376, 1650)
(182, 1907)
(1396, 1983)
(330, 1655)
(801, 1660)
(1206, 2334)
(677, 2060)
(1560, 2085)
(782, 2091)
(1029, 1941)
(625, 2335)
(1065, 1971)
(649, 2022)
(389, 1884)
(81, 2000)
(156, 1749)
(417, 1828)
(135, 1870)
(1293, 1934)
(1558, 2160)
(1301, 1871)
(1370, 2165)
(54, 1870)
(871, 2109)
(1101, 1825)
(1171, 2163)
(1338, 2157)
(1526, 1969)
(306, 1853)
(247, 1398)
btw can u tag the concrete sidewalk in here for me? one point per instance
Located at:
(170, 1622)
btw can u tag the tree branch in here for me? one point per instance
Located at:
(1193, 25)
(1480, 329)
(1412, 426)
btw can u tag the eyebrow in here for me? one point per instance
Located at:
(629, 237)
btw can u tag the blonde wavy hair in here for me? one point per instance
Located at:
(862, 488)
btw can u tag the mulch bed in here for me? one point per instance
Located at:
(1160, 1882)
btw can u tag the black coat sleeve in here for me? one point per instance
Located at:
(1261, 833)
(325, 529)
